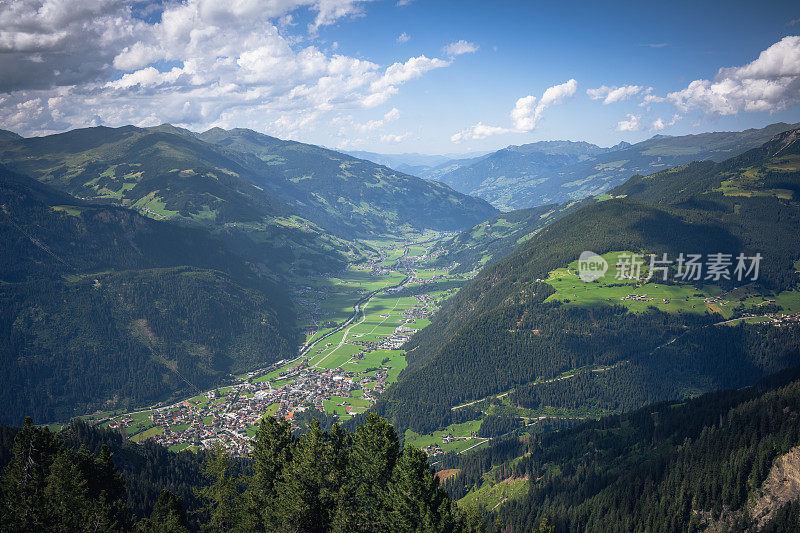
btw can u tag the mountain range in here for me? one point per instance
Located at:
(280, 203)
(141, 264)
(527, 318)
(105, 308)
(554, 172)
(422, 165)
(145, 264)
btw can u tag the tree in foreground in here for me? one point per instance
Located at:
(47, 487)
(319, 481)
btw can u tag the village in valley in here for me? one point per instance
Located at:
(357, 323)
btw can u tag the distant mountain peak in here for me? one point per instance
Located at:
(782, 141)
(620, 146)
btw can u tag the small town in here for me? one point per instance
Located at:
(229, 415)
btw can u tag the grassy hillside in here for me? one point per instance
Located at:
(502, 175)
(511, 327)
(497, 237)
(292, 207)
(103, 308)
(512, 179)
(165, 174)
(349, 195)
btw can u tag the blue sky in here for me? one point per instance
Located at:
(337, 73)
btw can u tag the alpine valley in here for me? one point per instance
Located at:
(173, 288)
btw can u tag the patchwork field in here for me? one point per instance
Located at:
(356, 323)
(639, 295)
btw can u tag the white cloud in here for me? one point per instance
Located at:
(633, 123)
(659, 124)
(610, 95)
(651, 99)
(373, 125)
(68, 65)
(381, 89)
(769, 83)
(460, 47)
(403, 38)
(478, 131)
(391, 138)
(527, 112)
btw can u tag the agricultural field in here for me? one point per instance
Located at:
(356, 323)
(463, 433)
(489, 495)
(639, 295)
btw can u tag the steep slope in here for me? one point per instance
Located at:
(104, 308)
(499, 177)
(510, 180)
(705, 464)
(286, 205)
(492, 239)
(166, 174)
(499, 236)
(349, 195)
(519, 321)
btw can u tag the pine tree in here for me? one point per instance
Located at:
(25, 479)
(417, 503)
(272, 453)
(363, 503)
(221, 494)
(68, 507)
(308, 494)
(168, 516)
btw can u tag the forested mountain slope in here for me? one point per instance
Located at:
(350, 195)
(497, 237)
(318, 481)
(286, 205)
(166, 174)
(514, 179)
(514, 325)
(698, 465)
(104, 308)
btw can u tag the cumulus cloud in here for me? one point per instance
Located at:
(202, 63)
(526, 114)
(610, 95)
(659, 124)
(382, 88)
(769, 83)
(391, 138)
(403, 38)
(51, 43)
(458, 48)
(527, 111)
(477, 132)
(632, 123)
